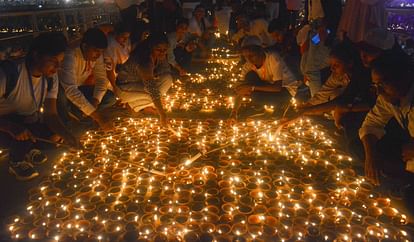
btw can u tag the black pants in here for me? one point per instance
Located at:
(277, 99)
(19, 149)
(390, 147)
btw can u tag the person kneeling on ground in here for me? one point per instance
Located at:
(266, 77)
(386, 153)
(146, 76)
(84, 81)
(28, 93)
(393, 79)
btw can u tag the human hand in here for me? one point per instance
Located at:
(338, 114)
(244, 90)
(102, 122)
(24, 136)
(182, 72)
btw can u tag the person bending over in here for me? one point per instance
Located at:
(28, 93)
(392, 76)
(84, 81)
(343, 61)
(266, 76)
(387, 151)
(146, 76)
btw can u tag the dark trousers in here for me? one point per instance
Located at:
(351, 122)
(390, 147)
(183, 57)
(65, 105)
(19, 149)
(278, 99)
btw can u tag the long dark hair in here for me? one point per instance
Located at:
(141, 55)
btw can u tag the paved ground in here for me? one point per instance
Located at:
(208, 106)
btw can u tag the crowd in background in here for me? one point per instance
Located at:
(334, 59)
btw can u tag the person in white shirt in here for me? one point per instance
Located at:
(343, 61)
(119, 48)
(392, 76)
(266, 77)
(84, 80)
(256, 27)
(28, 93)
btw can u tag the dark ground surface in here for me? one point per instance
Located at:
(14, 194)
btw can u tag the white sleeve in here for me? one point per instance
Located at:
(102, 81)
(53, 91)
(67, 78)
(328, 91)
(376, 119)
(276, 67)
